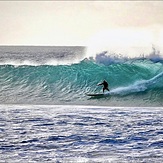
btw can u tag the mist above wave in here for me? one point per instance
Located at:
(106, 57)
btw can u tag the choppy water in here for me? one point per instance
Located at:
(80, 134)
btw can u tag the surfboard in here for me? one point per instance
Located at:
(95, 95)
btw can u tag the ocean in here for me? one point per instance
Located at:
(46, 116)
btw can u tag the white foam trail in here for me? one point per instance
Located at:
(128, 90)
(138, 86)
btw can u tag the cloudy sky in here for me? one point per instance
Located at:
(81, 22)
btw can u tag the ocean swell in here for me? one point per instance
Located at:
(132, 82)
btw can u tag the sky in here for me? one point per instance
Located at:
(82, 23)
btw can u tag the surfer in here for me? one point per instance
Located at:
(105, 84)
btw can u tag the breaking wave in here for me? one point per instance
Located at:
(136, 81)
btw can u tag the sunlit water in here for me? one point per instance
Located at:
(38, 133)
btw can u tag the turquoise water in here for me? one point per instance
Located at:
(137, 82)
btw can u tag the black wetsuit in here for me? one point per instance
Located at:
(105, 84)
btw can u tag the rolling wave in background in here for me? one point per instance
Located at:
(59, 80)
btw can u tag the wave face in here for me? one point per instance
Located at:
(133, 82)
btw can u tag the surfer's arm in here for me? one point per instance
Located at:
(99, 84)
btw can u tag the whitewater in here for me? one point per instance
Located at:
(46, 116)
